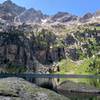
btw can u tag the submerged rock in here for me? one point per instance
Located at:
(19, 89)
(77, 87)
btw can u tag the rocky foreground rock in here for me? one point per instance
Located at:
(77, 87)
(19, 89)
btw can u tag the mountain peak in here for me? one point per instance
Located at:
(97, 13)
(31, 9)
(61, 14)
(63, 17)
(8, 2)
(88, 15)
(8, 10)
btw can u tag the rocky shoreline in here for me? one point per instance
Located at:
(19, 89)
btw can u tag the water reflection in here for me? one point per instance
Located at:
(82, 96)
(89, 81)
(52, 83)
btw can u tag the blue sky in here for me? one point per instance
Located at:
(78, 7)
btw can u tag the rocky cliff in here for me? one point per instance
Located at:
(15, 50)
(18, 50)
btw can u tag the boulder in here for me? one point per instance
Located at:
(19, 89)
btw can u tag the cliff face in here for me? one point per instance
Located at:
(32, 50)
(20, 51)
(15, 50)
(45, 47)
(50, 55)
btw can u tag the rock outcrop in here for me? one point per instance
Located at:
(19, 89)
(18, 50)
(15, 50)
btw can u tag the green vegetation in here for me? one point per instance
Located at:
(66, 66)
(98, 28)
(86, 66)
(90, 66)
(16, 69)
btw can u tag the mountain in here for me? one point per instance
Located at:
(63, 17)
(8, 10)
(11, 12)
(97, 13)
(86, 17)
(30, 16)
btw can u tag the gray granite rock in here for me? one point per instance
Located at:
(19, 89)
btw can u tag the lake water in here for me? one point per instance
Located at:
(56, 79)
(83, 96)
(74, 96)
